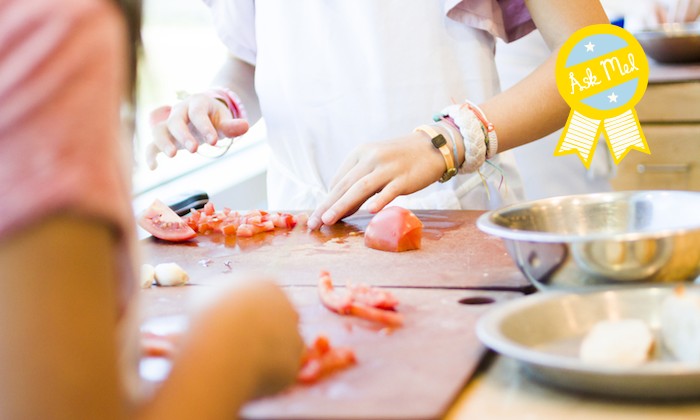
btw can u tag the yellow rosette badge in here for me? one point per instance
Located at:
(602, 72)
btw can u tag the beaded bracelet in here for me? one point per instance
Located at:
(230, 99)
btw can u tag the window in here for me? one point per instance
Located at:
(182, 53)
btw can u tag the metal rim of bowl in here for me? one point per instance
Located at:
(486, 224)
(670, 30)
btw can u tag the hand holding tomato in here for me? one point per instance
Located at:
(193, 121)
(379, 172)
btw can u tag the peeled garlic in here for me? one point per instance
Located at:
(148, 275)
(624, 342)
(680, 325)
(170, 274)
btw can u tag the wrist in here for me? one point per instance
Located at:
(230, 99)
(440, 145)
(429, 154)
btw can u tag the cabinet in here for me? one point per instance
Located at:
(670, 116)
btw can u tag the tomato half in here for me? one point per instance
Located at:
(162, 222)
(394, 229)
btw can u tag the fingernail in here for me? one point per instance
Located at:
(211, 138)
(313, 223)
(372, 207)
(172, 150)
(328, 217)
(191, 145)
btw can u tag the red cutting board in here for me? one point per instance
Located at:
(414, 372)
(454, 253)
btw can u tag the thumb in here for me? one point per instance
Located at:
(233, 127)
(159, 114)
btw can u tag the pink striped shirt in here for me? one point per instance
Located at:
(62, 77)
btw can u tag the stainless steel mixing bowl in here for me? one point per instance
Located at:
(672, 42)
(606, 239)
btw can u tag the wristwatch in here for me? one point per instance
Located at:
(440, 143)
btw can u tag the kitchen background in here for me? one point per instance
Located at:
(175, 61)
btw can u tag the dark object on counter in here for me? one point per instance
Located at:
(672, 43)
(183, 203)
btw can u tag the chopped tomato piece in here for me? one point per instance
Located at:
(209, 208)
(321, 359)
(229, 229)
(394, 229)
(229, 222)
(373, 296)
(245, 230)
(364, 302)
(301, 219)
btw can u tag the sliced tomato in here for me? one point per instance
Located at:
(394, 229)
(162, 222)
(366, 302)
(373, 296)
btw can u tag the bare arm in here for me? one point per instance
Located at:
(58, 317)
(239, 76)
(536, 97)
(58, 321)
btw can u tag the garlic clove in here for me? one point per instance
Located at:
(170, 274)
(148, 276)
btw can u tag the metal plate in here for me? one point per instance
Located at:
(544, 331)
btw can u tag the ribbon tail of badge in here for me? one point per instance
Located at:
(580, 136)
(624, 133)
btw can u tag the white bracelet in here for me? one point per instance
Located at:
(491, 130)
(473, 137)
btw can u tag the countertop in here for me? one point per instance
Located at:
(468, 381)
(501, 390)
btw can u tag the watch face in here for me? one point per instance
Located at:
(438, 141)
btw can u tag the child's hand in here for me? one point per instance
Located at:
(379, 172)
(195, 120)
(677, 11)
(280, 346)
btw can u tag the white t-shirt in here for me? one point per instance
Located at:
(331, 75)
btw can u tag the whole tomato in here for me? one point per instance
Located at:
(394, 229)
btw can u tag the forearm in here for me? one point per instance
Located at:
(241, 345)
(528, 111)
(239, 76)
(58, 304)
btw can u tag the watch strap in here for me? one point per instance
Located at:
(440, 143)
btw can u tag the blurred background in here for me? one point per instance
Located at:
(183, 52)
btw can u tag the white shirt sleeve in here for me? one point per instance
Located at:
(235, 24)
